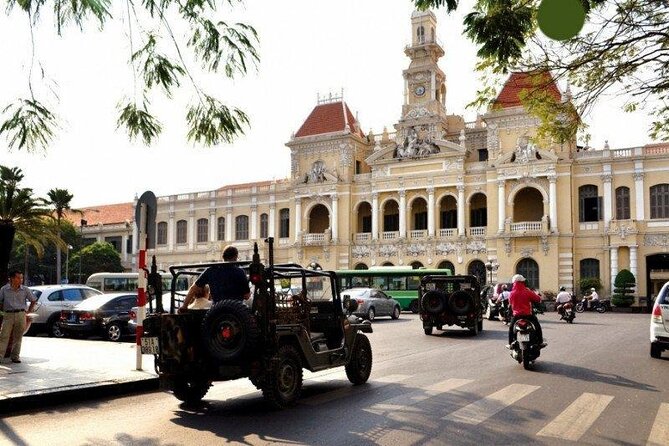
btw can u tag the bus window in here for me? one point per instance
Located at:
(397, 283)
(380, 283)
(97, 284)
(413, 282)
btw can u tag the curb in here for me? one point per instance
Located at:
(39, 400)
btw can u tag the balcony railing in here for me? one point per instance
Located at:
(363, 236)
(390, 235)
(448, 232)
(479, 231)
(313, 239)
(284, 241)
(526, 226)
(418, 233)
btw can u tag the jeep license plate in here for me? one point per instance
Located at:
(523, 337)
(150, 345)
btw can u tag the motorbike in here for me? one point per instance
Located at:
(525, 348)
(600, 306)
(494, 307)
(566, 312)
(505, 312)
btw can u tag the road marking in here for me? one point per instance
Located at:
(345, 391)
(484, 408)
(402, 402)
(576, 419)
(396, 437)
(659, 435)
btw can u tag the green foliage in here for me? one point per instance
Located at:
(624, 284)
(213, 45)
(589, 282)
(96, 258)
(549, 295)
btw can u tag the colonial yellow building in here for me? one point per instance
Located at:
(435, 191)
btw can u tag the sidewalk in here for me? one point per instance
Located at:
(64, 370)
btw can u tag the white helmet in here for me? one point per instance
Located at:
(592, 289)
(518, 278)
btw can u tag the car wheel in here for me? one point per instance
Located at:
(359, 365)
(190, 389)
(655, 350)
(229, 330)
(433, 302)
(414, 307)
(53, 327)
(460, 303)
(474, 329)
(396, 313)
(371, 314)
(480, 325)
(283, 382)
(427, 330)
(114, 332)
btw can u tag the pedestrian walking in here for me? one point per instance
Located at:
(13, 298)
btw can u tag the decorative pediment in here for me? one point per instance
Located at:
(398, 152)
(526, 152)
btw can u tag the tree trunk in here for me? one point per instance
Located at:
(26, 276)
(7, 231)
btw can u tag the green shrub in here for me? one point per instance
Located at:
(589, 282)
(548, 295)
(623, 289)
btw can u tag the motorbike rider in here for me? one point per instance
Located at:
(593, 298)
(562, 298)
(521, 299)
(504, 301)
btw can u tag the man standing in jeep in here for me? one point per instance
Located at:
(226, 281)
(521, 299)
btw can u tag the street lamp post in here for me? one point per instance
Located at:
(67, 264)
(81, 231)
(491, 266)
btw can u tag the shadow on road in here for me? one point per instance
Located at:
(584, 374)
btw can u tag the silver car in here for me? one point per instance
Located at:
(51, 300)
(659, 323)
(373, 303)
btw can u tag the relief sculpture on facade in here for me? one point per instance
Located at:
(415, 146)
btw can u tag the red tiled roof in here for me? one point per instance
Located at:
(105, 214)
(517, 82)
(328, 118)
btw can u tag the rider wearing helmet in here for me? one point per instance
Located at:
(521, 299)
(562, 298)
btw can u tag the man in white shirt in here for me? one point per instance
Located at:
(562, 298)
(593, 298)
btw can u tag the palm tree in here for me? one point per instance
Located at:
(60, 199)
(23, 214)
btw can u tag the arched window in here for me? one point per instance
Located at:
(387, 264)
(530, 269)
(589, 204)
(445, 264)
(391, 216)
(242, 227)
(659, 201)
(420, 34)
(161, 233)
(360, 266)
(622, 203)
(589, 268)
(182, 227)
(477, 269)
(221, 228)
(284, 223)
(416, 265)
(202, 230)
(264, 225)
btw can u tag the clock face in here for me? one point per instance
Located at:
(419, 90)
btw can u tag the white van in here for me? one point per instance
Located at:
(121, 282)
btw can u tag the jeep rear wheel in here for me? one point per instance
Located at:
(229, 330)
(427, 330)
(283, 381)
(190, 389)
(414, 307)
(433, 302)
(460, 303)
(359, 366)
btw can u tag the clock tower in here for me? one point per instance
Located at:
(424, 82)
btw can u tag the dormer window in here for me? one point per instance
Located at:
(420, 34)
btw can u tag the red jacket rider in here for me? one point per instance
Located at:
(521, 299)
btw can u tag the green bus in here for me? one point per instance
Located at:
(399, 282)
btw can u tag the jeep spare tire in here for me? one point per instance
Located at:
(461, 303)
(229, 330)
(433, 302)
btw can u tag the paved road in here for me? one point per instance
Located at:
(594, 384)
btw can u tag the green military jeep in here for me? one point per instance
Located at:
(296, 320)
(451, 300)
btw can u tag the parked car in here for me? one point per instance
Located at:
(373, 303)
(659, 323)
(132, 322)
(51, 300)
(106, 315)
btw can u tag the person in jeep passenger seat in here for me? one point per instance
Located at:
(225, 281)
(521, 299)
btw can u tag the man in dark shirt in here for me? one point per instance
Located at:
(225, 281)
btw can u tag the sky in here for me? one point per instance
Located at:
(307, 48)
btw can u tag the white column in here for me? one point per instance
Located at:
(124, 247)
(633, 263)
(608, 201)
(375, 216)
(272, 217)
(638, 196)
(254, 222)
(552, 203)
(335, 218)
(171, 233)
(228, 225)
(461, 210)
(501, 206)
(614, 265)
(430, 211)
(433, 86)
(212, 225)
(403, 216)
(298, 218)
(191, 229)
